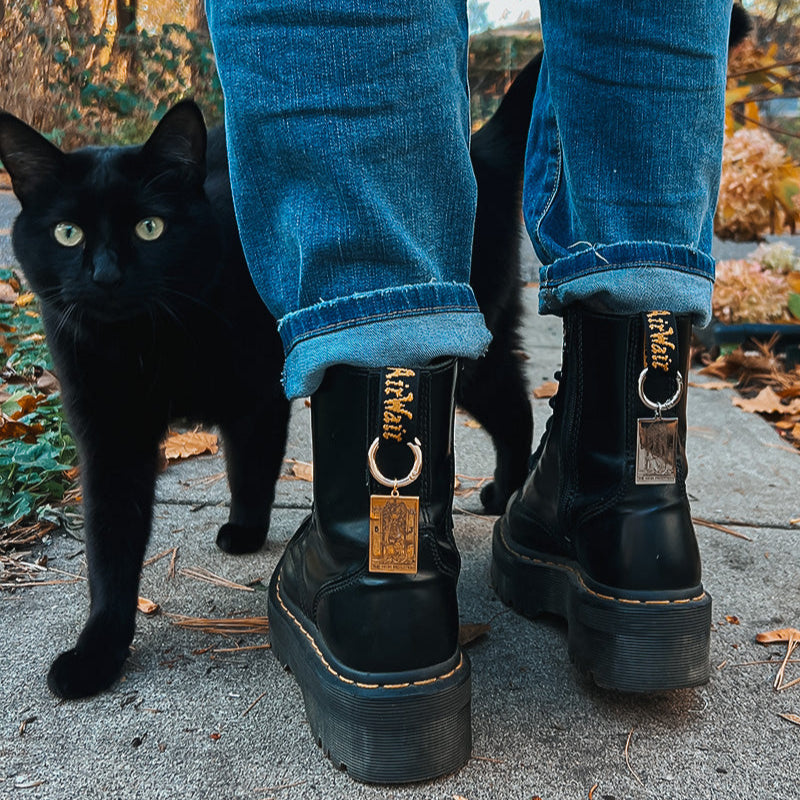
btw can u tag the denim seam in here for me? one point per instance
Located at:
(549, 281)
(386, 315)
(553, 193)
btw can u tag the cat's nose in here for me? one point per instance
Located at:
(105, 271)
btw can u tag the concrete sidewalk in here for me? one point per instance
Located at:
(189, 723)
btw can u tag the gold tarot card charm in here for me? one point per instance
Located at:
(656, 450)
(393, 533)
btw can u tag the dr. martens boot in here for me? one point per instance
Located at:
(601, 532)
(362, 605)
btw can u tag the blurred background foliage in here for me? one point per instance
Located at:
(98, 71)
(101, 71)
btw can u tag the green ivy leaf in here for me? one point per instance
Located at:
(794, 305)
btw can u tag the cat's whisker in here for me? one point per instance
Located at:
(200, 303)
(160, 304)
(65, 319)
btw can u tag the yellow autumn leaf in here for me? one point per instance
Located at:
(25, 299)
(191, 443)
(793, 279)
(737, 94)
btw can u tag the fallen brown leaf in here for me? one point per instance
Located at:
(7, 293)
(731, 619)
(47, 382)
(302, 470)
(12, 429)
(146, 606)
(712, 385)
(779, 635)
(547, 389)
(791, 718)
(191, 443)
(767, 402)
(471, 631)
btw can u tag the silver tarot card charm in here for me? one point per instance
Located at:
(656, 450)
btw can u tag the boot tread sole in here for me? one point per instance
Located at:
(623, 644)
(381, 732)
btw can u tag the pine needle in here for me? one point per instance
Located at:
(230, 626)
(202, 574)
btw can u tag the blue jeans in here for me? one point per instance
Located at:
(348, 127)
(624, 154)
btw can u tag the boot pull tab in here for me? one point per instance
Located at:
(657, 437)
(394, 519)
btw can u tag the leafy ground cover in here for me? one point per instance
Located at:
(37, 452)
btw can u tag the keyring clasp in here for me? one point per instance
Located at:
(416, 469)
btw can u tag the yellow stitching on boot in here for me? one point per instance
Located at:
(577, 574)
(342, 678)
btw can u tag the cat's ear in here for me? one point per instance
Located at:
(27, 156)
(179, 140)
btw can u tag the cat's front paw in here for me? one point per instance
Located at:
(493, 499)
(75, 673)
(238, 539)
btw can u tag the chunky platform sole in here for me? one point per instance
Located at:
(402, 732)
(647, 644)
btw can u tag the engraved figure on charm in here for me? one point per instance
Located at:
(394, 534)
(656, 450)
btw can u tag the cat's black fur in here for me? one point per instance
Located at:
(493, 388)
(142, 332)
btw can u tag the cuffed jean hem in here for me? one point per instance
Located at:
(400, 326)
(630, 277)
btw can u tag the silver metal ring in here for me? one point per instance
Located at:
(659, 407)
(416, 469)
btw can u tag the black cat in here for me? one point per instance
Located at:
(135, 256)
(493, 388)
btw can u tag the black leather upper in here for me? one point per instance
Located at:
(581, 500)
(375, 622)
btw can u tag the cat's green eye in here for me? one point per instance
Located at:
(68, 234)
(149, 228)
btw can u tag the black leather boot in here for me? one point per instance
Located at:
(362, 605)
(601, 533)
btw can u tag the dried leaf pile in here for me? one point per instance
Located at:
(760, 183)
(757, 187)
(768, 387)
(764, 287)
(37, 453)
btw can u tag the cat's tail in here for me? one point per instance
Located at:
(507, 129)
(741, 25)
(509, 125)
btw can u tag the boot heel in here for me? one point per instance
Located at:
(403, 732)
(640, 646)
(645, 645)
